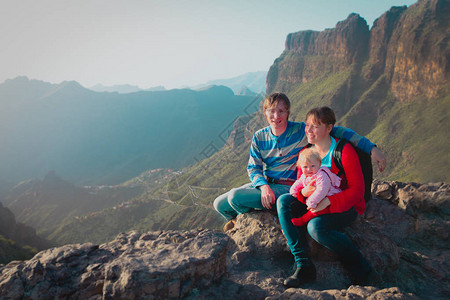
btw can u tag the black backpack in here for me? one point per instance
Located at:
(365, 160)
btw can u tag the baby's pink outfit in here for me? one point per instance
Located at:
(327, 184)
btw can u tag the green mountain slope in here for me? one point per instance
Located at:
(17, 241)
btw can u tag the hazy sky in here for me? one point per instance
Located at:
(158, 42)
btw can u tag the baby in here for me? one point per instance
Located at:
(326, 183)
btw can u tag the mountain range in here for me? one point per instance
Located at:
(251, 81)
(91, 137)
(254, 81)
(124, 88)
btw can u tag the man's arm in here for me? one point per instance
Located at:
(255, 165)
(362, 143)
(357, 141)
(256, 174)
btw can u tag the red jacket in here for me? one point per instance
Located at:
(352, 184)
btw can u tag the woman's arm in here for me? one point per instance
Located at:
(354, 192)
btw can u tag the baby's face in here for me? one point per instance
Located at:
(310, 168)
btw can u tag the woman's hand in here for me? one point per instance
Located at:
(322, 205)
(378, 158)
(309, 189)
(267, 196)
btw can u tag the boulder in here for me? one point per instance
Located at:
(353, 292)
(167, 264)
(258, 234)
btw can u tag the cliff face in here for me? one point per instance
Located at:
(417, 59)
(310, 54)
(380, 35)
(409, 45)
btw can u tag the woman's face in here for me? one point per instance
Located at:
(316, 131)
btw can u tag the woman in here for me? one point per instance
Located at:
(344, 206)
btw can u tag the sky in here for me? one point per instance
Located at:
(158, 42)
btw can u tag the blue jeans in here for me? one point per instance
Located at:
(243, 199)
(324, 229)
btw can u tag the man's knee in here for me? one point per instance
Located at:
(235, 195)
(218, 202)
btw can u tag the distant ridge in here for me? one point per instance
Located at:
(254, 81)
(120, 88)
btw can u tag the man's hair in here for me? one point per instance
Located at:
(308, 155)
(323, 115)
(273, 100)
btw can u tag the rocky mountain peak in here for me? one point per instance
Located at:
(311, 54)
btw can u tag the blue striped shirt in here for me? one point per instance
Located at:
(276, 156)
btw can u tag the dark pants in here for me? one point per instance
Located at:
(324, 229)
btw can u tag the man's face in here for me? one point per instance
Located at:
(277, 116)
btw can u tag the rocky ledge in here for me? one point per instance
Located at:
(155, 265)
(404, 234)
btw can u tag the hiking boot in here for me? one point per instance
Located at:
(304, 274)
(229, 225)
(371, 277)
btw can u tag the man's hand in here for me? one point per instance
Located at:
(309, 189)
(267, 196)
(322, 205)
(378, 159)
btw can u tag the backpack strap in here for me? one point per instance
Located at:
(366, 166)
(337, 156)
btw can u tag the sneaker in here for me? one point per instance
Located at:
(229, 225)
(302, 275)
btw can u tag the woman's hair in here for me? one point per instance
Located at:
(308, 155)
(273, 100)
(322, 114)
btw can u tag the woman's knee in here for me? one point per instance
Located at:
(315, 229)
(284, 200)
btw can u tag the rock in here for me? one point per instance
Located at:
(353, 292)
(253, 259)
(382, 190)
(259, 234)
(166, 264)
